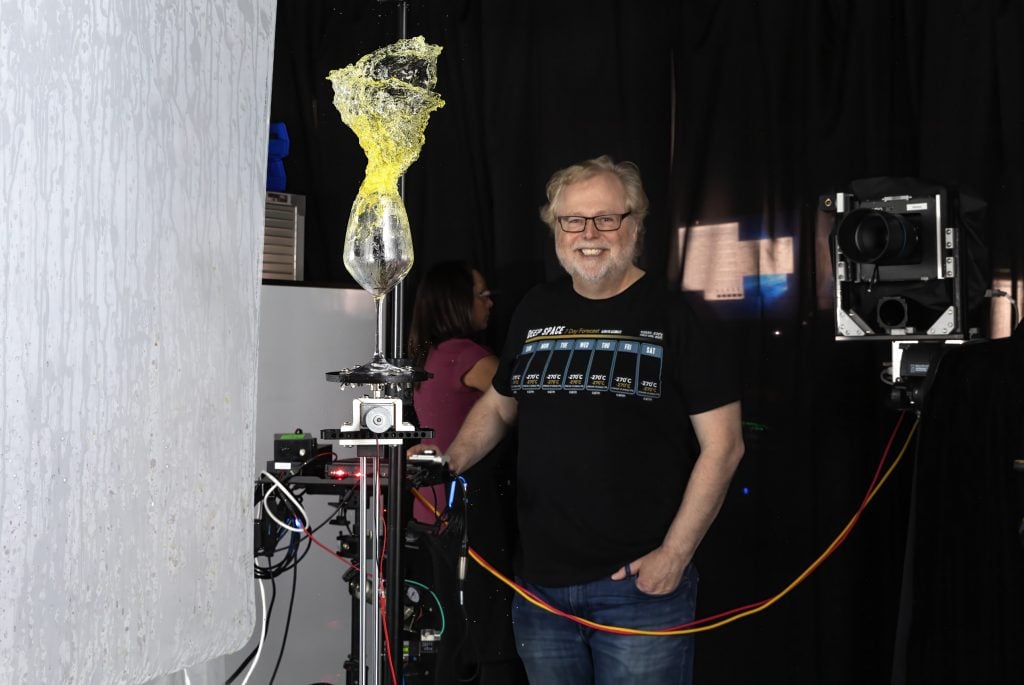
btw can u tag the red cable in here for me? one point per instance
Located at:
(860, 510)
(835, 545)
(387, 640)
(380, 573)
(691, 624)
(309, 533)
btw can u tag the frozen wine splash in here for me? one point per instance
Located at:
(386, 98)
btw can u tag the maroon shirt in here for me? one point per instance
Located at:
(443, 401)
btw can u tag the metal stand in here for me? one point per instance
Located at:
(377, 431)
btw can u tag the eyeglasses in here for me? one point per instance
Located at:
(603, 222)
(484, 294)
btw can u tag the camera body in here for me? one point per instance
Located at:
(896, 264)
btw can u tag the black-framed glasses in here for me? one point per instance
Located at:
(602, 222)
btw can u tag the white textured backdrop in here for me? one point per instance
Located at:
(133, 149)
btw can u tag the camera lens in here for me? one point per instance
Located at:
(872, 236)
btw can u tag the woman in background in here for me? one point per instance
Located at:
(451, 310)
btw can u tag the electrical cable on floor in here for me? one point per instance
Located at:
(247, 659)
(700, 625)
(287, 622)
(275, 569)
(289, 562)
(298, 525)
(724, 618)
(263, 632)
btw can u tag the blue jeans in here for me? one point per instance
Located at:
(557, 651)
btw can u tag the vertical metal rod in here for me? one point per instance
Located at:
(395, 578)
(396, 299)
(396, 464)
(353, 675)
(360, 597)
(377, 566)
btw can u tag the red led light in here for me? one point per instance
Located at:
(339, 472)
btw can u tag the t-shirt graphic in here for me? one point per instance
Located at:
(585, 376)
(648, 372)
(578, 367)
(617, 364)
(521, 366)
(624, 368)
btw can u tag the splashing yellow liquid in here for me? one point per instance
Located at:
(386, 98)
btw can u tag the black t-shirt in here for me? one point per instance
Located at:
(604, 390)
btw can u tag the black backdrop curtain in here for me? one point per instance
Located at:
(736, 111)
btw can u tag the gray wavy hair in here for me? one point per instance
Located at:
(628, 174)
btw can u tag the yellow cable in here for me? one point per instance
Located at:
(725, 621)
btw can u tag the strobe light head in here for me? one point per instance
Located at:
(875, 236)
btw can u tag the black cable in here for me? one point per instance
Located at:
(275, 569)
(266, 620)
(290, 562)
(322, 452)
(464, 543)
(342, 501)
(290, 558)
(287, 621)
(873, 281)
(309, 543)
(285, 564)
(463, 554)
(272, 570)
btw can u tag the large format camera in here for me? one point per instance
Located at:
(899, 264)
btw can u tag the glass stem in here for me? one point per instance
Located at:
(379, 332)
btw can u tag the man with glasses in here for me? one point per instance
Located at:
(599, 374)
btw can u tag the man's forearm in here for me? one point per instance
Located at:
(721, 440)
(485, 425)
(702, 500)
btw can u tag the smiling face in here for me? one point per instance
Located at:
(599, 262)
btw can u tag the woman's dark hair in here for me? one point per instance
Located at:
(443, 308)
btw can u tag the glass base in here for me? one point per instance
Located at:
(378, 371)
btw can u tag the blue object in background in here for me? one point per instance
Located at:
(277, 151)
(774, 287)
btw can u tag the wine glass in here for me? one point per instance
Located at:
(386, 98)
(378, 254)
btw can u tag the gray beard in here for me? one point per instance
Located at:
(612, 268)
